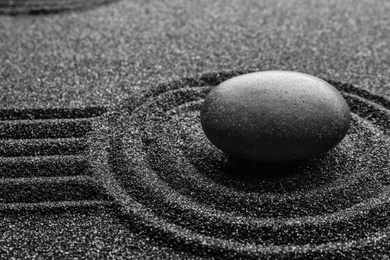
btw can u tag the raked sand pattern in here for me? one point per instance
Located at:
(172, 182)
(150, 159)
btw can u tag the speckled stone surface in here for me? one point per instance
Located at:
(147, 184)
(275, 116)
(40, 7)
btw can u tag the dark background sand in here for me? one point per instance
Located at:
(103, 55)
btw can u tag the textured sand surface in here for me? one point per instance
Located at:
(141, 181)
(102, 55)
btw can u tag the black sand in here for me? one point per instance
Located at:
(120, 167)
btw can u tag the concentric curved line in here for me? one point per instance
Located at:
(147, 185)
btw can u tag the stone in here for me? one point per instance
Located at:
(275, 116)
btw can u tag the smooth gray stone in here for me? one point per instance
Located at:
(275, 116)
